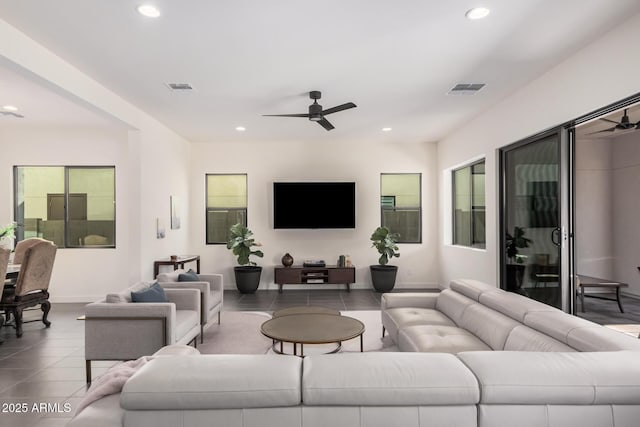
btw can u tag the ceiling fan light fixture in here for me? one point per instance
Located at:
(477, 13)
(315, 117)
(148, 10)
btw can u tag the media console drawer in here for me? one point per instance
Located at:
(298, 275)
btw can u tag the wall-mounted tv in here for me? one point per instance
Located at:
(314, 205)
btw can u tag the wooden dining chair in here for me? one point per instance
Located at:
(32, 285)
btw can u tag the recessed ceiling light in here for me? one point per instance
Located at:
(241, 128)
(148, 10)
(387, 129)
(9, 108)
(477, 13)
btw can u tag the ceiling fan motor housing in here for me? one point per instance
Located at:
(315, 112)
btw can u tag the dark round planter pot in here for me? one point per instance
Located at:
(247, 278)
(383, 277)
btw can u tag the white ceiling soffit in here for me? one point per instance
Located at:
(396, 62)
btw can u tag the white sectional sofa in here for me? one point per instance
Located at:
(536, 367)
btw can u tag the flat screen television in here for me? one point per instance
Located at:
(314, 205)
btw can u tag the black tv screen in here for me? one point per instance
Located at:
(314, 205)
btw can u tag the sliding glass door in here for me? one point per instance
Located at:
(534, 229)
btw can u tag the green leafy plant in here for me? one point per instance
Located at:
(515, 241)
(241, 242)
(385, 242)
(8, 231)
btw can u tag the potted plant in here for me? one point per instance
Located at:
(7, 234)
(248, 273)
(515, 269)
(383, 276)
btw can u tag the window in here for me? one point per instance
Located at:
(401, 205)
(469, 205)
(73, 206)
(226, 205)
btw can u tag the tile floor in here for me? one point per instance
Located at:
(46, 366)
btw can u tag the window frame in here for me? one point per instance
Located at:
(383, 208)
(207, 209)
(66, 169)
(454, 231)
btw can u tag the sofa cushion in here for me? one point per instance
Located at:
(555, 378)
(124, 295)
(170, 276)
(214, 381)
(453, 304)
(185, 321)
(557, 324)
(387, 379)
(513, 305)
(599, 338)
(395, 319)
(523, 338)
(438, 339)
(153, 293)
(471, 288)
(491, 327)
(189, 276)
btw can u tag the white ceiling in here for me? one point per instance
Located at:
(395, 60)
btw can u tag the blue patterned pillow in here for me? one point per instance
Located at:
(153, 293)
(189, 276)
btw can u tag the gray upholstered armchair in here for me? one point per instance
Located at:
(118, 329)
(211, 290)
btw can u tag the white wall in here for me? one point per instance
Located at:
(596, 76)
(594, 208)
(626, 210)
(360, 162)
(79, 274)
(153, 165)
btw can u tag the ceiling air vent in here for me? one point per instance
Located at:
(180, 86)
(466, 89)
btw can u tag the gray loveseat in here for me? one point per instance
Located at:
(560, 372)
(118, 329)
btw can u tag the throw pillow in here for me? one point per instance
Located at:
(154, 293)
(189, 276)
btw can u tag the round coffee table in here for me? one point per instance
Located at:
(312, 328)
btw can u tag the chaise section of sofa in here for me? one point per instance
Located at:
(474, 316)
(118, 329)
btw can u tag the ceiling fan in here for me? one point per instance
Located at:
(11, 113)
(316, 113)
(623, 124)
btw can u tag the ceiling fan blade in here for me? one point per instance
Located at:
(285, 115)
(339, 108)
(638, 125)
(11, 113)
(610, 121)
(605, 130)
(325, 124)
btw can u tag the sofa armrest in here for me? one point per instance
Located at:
(122, 331)
(215, 281)
(184, 299)
(409, 299)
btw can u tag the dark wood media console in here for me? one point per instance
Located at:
(330, 274)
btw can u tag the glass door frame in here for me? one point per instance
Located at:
(566, 173)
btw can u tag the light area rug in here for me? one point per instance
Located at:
(239, 333)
